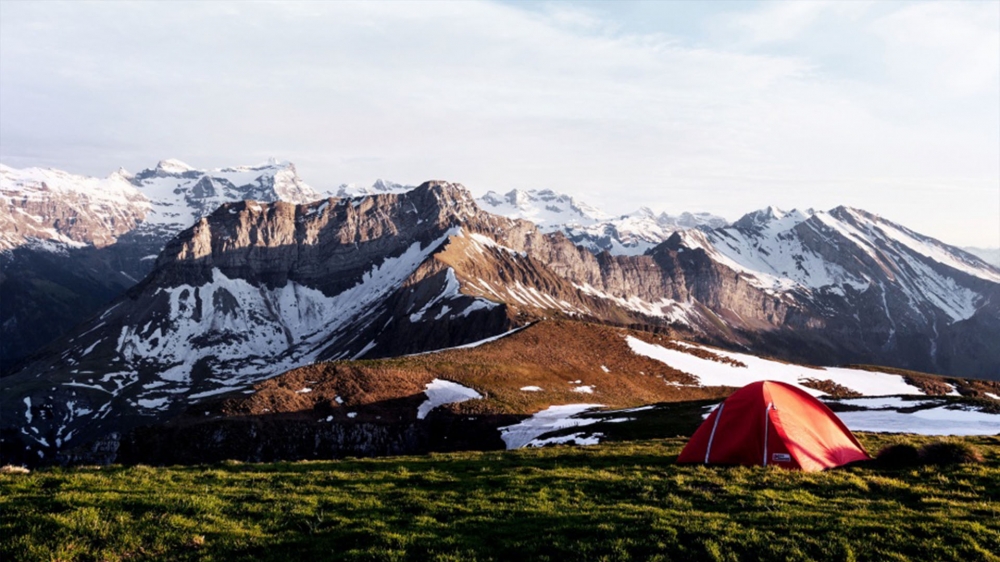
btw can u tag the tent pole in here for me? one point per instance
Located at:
(767, 418)
(718, 415)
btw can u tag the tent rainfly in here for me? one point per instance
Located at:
(771, 423)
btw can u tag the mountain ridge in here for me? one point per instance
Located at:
(258, 288)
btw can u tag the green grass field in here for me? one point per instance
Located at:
(618, 501)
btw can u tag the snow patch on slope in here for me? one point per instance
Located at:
(715, 373)
(440, 392)
(931, 421)
(668, 309)
(550, 419)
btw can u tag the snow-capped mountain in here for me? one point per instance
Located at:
(379, 187)
(630, 234)
(819, 252)
(547, 209)
(256, 288)
(47, 205)
(70, 243)
(638, 232)
(51, 206)
(179, 195)
(905, 299)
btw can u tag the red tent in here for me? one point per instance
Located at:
(773, 423)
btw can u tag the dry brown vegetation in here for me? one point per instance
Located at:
(831, 388)
(556, 355)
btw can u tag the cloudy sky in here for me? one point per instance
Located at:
(892, 107)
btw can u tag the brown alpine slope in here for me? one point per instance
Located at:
(557, 356)
(370, 407)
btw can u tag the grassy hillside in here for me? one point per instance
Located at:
(619, 501)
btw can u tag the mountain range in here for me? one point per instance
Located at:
(69, 244)
(246, 273)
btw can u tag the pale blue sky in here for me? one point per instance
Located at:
(893, 107)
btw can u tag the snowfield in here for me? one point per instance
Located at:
(715, 373)
(931, 421)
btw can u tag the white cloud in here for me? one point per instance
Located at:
(779, 22)
(498, 97)
(951, 46)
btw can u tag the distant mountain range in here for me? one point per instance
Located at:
(51, 206)
(631, 234)
(278, 278)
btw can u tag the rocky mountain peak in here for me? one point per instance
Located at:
(770, 218)
(645, 212)
(756, 219)
(272, 242)
(172, 166)
(122, 173)
(388, 186)
(492, 198)
(180, 195)
(517, 198)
